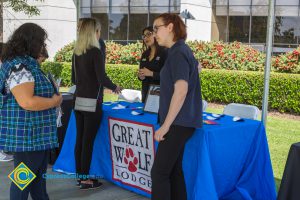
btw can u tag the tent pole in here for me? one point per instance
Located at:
(268, 62)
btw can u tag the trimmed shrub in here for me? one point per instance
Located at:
(54, 68)
(232, 56)
(65, 53)
(66, 74)
(225, 86)
(212, 55)
(222, 86)
(288, 62)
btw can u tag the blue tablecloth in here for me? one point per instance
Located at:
(228, 161)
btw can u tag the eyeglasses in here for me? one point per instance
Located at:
(155, 28)
(146, 35)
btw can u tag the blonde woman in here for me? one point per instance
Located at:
(88, 74)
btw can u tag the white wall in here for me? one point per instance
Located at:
(57, 17)
(200, 27)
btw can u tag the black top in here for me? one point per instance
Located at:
(181, 65)
(154, 65)
(289, 187)
(103, 48)
(90, 74)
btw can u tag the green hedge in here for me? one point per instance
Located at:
(225, 86)
(222, 86)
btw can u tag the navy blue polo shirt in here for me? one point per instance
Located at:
(181, 65)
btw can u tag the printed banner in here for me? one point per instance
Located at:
(132, 152)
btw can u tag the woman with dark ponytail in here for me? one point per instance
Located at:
(152, 61)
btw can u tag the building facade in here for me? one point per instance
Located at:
(124, 20)
(246, 21)
(227, 20)
(57, 17)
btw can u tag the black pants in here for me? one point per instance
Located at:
(37, 162)
(87, 124)
(167, 175)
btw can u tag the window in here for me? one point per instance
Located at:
(118, 26)
(260, 2)
(103, 18)
(239, 28)
(152, 18)
(137, 22)
(285, 28)
(287, 2)
(240, 2)
(286, 11)
(221, 10)
(260, 10)
(100, 6)
(222, 2)
(123, 20)
(259, 29)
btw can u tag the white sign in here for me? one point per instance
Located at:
(132, 152)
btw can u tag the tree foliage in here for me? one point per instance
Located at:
(23, 6)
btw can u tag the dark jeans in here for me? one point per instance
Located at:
(167, 175)
(37, 162)
(87, 124)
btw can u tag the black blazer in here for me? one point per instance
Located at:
(154, 65)
(90, 74)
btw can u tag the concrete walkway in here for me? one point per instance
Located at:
(65, 188)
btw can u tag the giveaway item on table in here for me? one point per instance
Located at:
(119, 106)
(59, 114)
(210, 122)
(237, 119)
(56, 85)
(137, 113)
(217, 115)
(211, 118)
(152, 99)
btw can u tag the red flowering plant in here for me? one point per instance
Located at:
(131, 53)
(113, 52)
(212, 55)
(288, 62)
(232, 56)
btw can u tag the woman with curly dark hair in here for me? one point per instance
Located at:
(28, 109)
(152, 60)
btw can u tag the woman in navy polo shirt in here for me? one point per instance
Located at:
(180, 108)
(152, 60)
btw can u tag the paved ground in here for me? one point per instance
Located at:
(66, 189)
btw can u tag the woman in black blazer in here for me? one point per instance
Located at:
(152, 61)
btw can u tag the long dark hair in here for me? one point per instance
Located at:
(1, 49)
(146, 49)
(29, 39)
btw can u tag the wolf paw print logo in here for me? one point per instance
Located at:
(130, 160)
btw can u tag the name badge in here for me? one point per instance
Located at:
(144, 59)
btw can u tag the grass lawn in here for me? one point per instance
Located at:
(282, 131)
